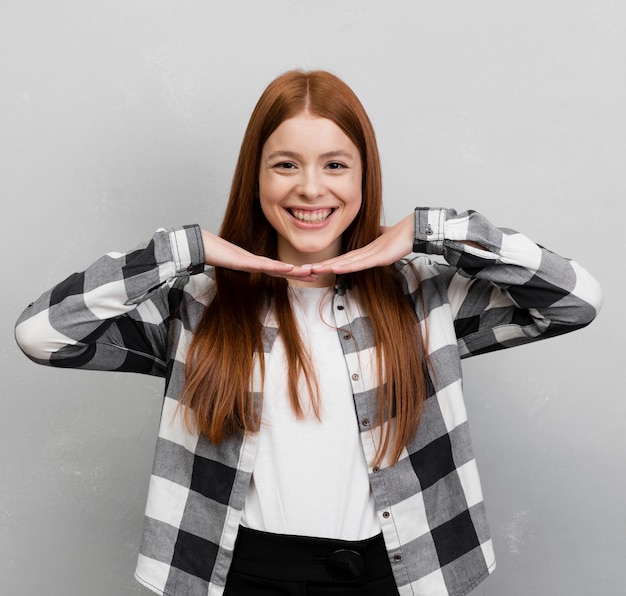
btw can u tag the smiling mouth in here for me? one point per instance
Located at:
(308, 216)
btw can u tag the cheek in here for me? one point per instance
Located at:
(356, 208)
(264, 195)
(269, 208)
(357, 202)
(265, 207)
(357, 198)
(356, 189)
(271, 189)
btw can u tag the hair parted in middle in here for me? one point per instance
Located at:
(221, 356)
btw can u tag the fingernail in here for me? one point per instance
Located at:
(307, 266)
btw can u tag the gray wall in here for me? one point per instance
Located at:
(119, 117)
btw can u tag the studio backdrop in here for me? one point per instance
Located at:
(120, 117)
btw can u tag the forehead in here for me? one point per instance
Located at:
(305, 132)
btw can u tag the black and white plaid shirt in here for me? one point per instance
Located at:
(136, 311)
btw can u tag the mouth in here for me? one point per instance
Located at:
(311, 216)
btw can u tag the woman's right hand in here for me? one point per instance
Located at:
(221, 253)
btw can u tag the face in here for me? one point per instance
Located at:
(309, 187)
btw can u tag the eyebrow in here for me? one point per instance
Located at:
(296, 155)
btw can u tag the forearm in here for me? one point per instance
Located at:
(86, 308)
(504, 285)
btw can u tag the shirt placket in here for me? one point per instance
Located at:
(345, 311)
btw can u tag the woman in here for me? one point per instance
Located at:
(313, 437)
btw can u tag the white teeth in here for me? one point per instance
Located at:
(311, 216)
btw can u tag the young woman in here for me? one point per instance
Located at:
(313, 437)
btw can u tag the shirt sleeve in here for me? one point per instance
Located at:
(503, 289)
(113, 315)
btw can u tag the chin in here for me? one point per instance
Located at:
(317, 253)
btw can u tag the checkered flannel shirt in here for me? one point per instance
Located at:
(137, 311)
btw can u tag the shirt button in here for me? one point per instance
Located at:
(355, 377)
(340, 307)
(397, 557)
(347, 336)
(376, 470)
(386, 514)
(365, 422)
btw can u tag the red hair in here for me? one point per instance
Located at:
(221, 356)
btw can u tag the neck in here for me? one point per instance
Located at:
(323, 281)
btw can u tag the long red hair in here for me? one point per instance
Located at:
(222, 353)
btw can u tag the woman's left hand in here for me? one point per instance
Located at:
(394, 243)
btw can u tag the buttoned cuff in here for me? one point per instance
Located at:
(429, 230)
(187, 249)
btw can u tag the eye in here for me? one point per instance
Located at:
(285, 165)
(336, 165)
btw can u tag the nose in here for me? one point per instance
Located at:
(311, 185)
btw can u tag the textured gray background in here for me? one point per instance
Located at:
(122, 116)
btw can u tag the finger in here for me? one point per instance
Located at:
(342, 267)
(266, 265)
(353, 261)
(279, 269)
(309, 278)
(256, 264)
(296, 274)
(353, 255)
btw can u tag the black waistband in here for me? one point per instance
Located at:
(303, 558)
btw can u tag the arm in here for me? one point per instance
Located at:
(503, 288)
(113, 316)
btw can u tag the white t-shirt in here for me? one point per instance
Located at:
(310, 477)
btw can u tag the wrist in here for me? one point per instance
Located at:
(428, 230)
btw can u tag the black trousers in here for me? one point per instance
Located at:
(267, 564)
